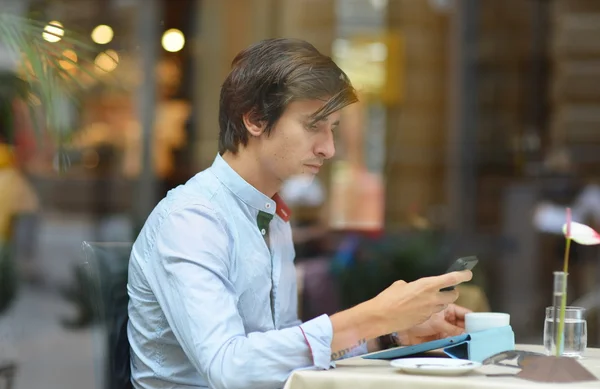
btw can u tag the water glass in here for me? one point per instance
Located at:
(574, 335)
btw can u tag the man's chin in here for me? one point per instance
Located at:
(304, 177)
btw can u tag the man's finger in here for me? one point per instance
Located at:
(451, 279)
(442, 326)
(448, 297)
(457, 312)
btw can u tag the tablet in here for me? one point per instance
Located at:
(405, 351)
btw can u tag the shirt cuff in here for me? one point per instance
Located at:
(318, 334)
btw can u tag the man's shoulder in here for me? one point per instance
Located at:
(197, 202)
(204, 194)
(203, 191)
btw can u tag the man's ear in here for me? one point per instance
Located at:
(254, 126)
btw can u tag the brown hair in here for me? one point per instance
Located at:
(269, 75)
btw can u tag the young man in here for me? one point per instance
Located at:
(212, 281)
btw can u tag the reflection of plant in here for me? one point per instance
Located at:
(49, 77)
(50, 74)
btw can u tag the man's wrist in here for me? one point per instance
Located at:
(355, 325)
(365, 320)
(374, 318)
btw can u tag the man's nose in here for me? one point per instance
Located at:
(326, 146)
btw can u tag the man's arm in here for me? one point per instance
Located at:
(398, 308)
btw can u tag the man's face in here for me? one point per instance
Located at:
(296, 146)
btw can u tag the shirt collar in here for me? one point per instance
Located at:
(247, 193)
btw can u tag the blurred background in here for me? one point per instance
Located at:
(479, 123)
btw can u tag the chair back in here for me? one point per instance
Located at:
(107, 265)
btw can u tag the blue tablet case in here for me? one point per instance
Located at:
(475, 346)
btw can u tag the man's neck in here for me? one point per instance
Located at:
(249, 168)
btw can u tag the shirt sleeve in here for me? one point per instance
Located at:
(189, 273)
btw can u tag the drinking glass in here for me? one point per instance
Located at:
(574, 332)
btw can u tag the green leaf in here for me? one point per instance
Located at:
(46, 79)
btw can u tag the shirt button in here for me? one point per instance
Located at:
(263, 231)
(268, 205)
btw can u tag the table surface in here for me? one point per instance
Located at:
(358, 373)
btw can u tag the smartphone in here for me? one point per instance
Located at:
(464, 263)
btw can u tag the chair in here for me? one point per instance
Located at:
(106, 264)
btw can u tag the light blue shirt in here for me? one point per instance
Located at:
(213, 296)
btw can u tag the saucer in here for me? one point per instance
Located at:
(435, 366)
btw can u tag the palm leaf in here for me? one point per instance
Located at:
(44, 78)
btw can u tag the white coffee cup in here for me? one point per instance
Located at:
(480, 321)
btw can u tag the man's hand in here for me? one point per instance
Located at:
(400, 308)
(403, 305)
(449, 322)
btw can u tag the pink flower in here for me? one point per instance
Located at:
(582, 234)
